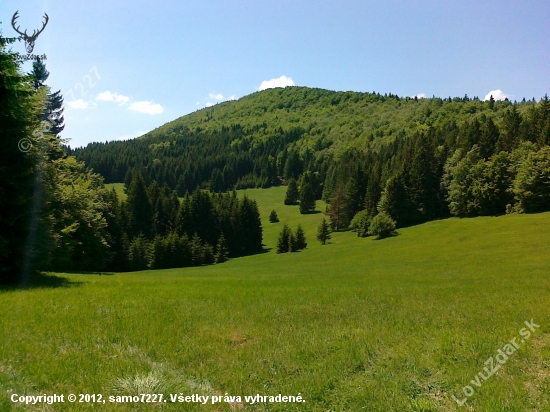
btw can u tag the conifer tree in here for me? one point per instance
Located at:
(20, 107)
(336, 210)
(208, 256)
(291, 197)
(488, 139)
(352, 200)
(39, 73)
(307, 196)
(292, 242)
(283, 242)
(222, 253)
(250, 225)
(139, 207)
(273, 218)
(323, 232)
(139, 253)
(196, 250)
(300, 238)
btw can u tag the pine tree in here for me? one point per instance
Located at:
(222, 253)
(54, 113)
(20, 107)
(336, 210)
(488, 139)
(509, 139)
(300, 238)
(196, 250)
(208, 254)
(139, 207)
(292, 242)
(39, 73)
(54, 108)
(291, 197)
(250, 225)
(273, 218)
(139, 253)
(323, 232)
(492, 103)
(307, 196)
(352, 200)
(283, 242)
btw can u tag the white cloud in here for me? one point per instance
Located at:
(208, 104)
(232, 98)
(420, 95)
(497, 95)
(107, 96)
(78, 104)
(218, 96)
(146, 107)
(282, 81)
(198, 103)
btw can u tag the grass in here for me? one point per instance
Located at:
(119, 189)
(399, 324)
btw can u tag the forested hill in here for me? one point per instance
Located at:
(416, 159)
(247, 142)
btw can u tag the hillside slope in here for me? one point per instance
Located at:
(402, 323)
(246, 132)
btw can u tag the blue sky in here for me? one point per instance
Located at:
(150, 62)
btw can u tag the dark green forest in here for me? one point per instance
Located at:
(366, 154)
(415, 159)
(56, 214)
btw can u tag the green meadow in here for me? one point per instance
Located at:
(399, 324)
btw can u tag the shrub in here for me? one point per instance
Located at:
(382, 225)
(360, 223)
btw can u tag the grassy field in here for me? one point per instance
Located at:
(119, 189)
(400, 324)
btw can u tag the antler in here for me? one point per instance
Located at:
(34, 33)
(13, 19)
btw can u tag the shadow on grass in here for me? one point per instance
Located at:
(41, 280)
(91, 273)
(394, 234)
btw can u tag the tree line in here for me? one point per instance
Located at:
(57, 214)
(153, 229)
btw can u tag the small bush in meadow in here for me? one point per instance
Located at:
(382, 225)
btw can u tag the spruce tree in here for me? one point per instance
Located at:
(307, 196)
(139, 208)
(352, 199)
(208, 256)
(300, 238)
(488, 139)
(250, 225)
(291, 197)
(292, 242)
(323, 232)
(196, 250)
(222, 253)
(283, 242)
(336, 210)
(20, 108)
(39, 73)
(273, 218)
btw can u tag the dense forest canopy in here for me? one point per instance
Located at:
(248, 143)
(415, 159)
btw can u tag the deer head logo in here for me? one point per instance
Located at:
(29, 40)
